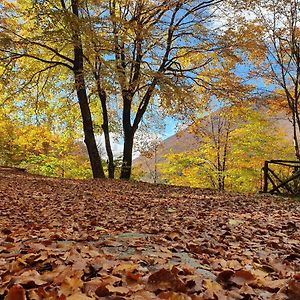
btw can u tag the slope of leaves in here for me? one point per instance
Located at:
(67, 239)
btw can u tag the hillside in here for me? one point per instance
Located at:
(104, 239)
(180, 142)
(184, 141)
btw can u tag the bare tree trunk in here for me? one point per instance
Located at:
(127, 155)
(155, 164)
(89, 137)
(225, 157)
(295, 136)
(128, 139)
(105, 128)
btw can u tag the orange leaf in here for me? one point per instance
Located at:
(293, 290)
(16, 292)
(242, 276)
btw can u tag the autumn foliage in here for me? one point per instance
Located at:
(67, 239)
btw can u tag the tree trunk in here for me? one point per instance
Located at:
(110, 156)
(127, 155)
(89, 137)
(128, 138)
(295, 135)
(225, 157)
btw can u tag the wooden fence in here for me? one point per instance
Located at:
(289, 184)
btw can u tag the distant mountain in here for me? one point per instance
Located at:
(179, 142)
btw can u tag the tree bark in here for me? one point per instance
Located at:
(89, 136)
(128, 138)
(127, 155)
(105, 127)
(295, 135)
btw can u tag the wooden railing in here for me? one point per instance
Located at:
(282, 185)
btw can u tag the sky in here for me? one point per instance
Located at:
(117, 145)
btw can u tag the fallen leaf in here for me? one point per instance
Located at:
(241, 277)
(72, 284)
(91, 286)
(16, 292)
(102, 291)
(30, 278)
(225, 276)
(293, 289)
(125, 268)
(119, 290)
(165, 279)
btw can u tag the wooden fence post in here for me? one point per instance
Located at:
(266, 169)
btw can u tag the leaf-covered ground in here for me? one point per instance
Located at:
(67, 239)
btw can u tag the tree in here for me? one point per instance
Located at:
(34, 37)
(210, 161)
(149, 149)
(38, 149)
(150, 40)
(78, 65)
(268, 32)
(215, 134)
(233, 144)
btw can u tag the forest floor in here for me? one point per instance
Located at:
(104, 239)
